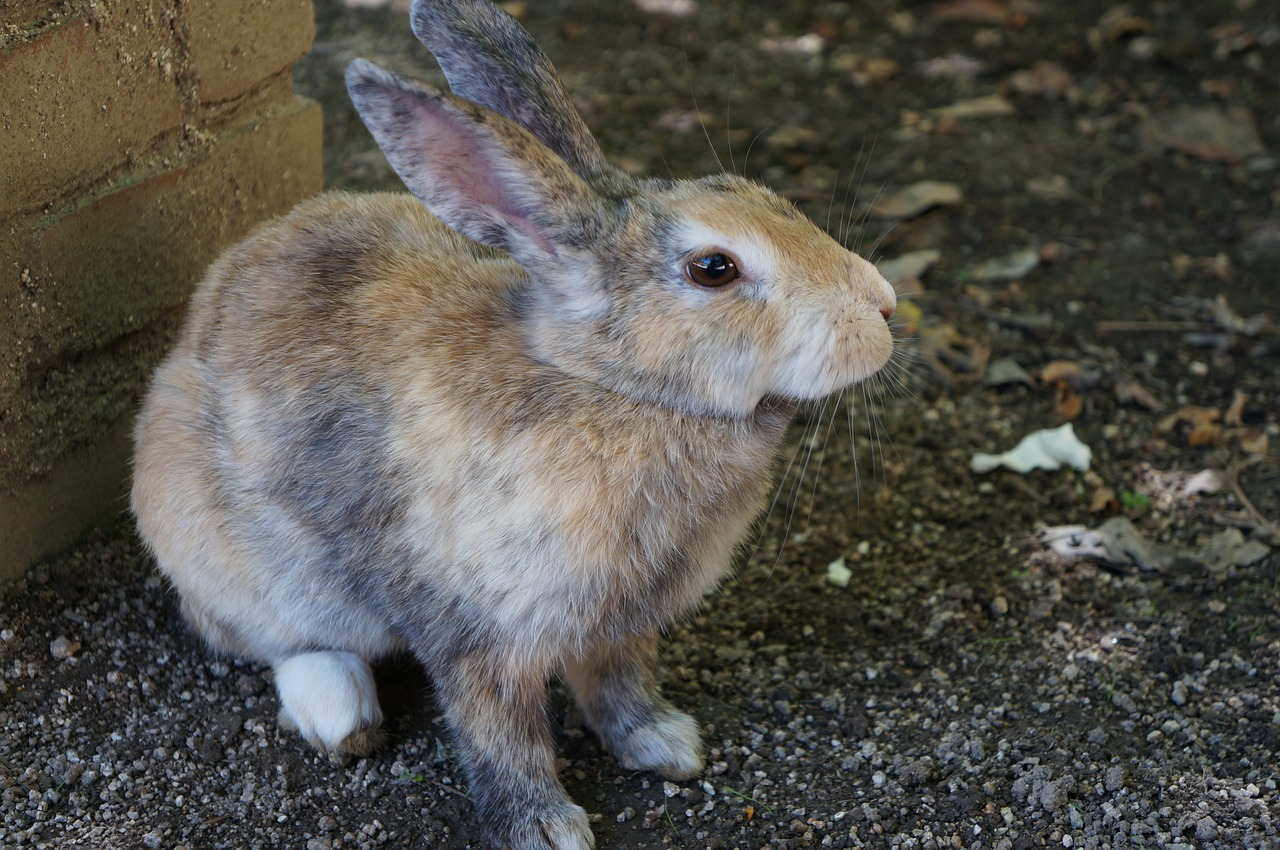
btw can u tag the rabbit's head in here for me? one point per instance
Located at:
(704, 295)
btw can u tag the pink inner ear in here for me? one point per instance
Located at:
(457, 161)
(473, 173)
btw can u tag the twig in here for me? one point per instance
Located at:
(1233, 476)
(1173, 327)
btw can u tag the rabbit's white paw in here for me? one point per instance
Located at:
(561, 827)
(669, 745)
(331, 700)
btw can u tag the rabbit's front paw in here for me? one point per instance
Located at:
(669, 745)
(563, 826)
(331, 700)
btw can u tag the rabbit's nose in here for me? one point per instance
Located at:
(887, 312)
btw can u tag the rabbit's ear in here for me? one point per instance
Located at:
(475, 170)
(489, 59)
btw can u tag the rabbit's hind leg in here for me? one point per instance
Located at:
(331, 700)
(616, 689)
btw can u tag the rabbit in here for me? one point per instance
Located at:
(515, 422)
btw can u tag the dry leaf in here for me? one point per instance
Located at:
(1060, 370)
(1117, 542)
(990, 106)
(809, 44)
(1051, 187)
(1043, 78)
(1191, 414)
(1119, 22)
(1009, 267)
(675, 8)
(1230, 548)
(1206, 132)
(1204, 433)
(1203, 421)
(1103, 500)
(908, 315)
(1233, 417)
(1069, 402)
(951, 355)
(916, 198)
(953, 66)
(1129, 390)
(1254, 441)
(971, 11)
(1204, 481)
(866, 70)
(1051, 448)
(1006, 371)
(909, 265)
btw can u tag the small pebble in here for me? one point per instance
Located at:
(63, 647)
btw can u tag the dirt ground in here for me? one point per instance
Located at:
(1105, 252)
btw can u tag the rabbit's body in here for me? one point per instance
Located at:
(370, 412)
(516, 435)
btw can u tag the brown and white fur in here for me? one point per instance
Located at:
(496, 424)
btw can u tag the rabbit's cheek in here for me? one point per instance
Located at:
(829, 353)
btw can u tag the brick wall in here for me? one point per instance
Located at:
(137, 138)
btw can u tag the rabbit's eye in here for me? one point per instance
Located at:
(712, 270)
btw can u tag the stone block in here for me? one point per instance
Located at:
(135, 253)
(83, 98)
(87, 487)
(235, 44)
(108, 271)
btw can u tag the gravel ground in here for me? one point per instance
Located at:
(969, 687)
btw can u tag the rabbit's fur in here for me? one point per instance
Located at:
(509, 435)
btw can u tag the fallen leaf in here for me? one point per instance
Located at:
(1047, 449)
(912, 200)
(1129, 391)
(1204, 481)
(680, 121)
(866, 70)
(1116, 542)
(1059, 370)
(1069, 402)
(809, 44)
(952, 66)
(1230, 548)
(951, 355)
(908, 315)
(971, 11)
(1233, 417)
(1119, 22)
(1203, 434)
(911, 264)
(1230, 320)
(1103, 501)
(1232, 38)
(1045, 78)
(675, 8)
(1254, 441)
(1052, 187)
(1192, 414)
(1006, 371)
(790, 138)
(1263, 240)
(989, 106)
(1009, 267)
(1206, 132)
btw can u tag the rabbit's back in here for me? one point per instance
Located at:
(262, 468)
